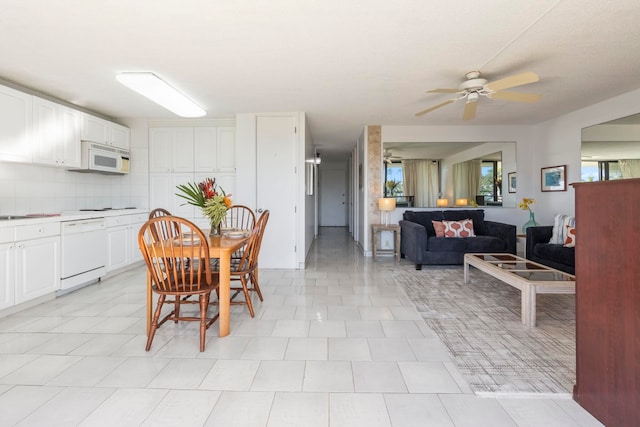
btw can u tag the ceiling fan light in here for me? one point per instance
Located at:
(473, 97)
(157, 90)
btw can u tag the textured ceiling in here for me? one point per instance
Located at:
(345, 63)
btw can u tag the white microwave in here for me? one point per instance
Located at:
(102, 158)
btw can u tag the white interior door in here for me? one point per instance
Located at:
(276, 189)
(333, 189)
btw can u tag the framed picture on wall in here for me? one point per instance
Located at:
(511, 182)
(553, 178)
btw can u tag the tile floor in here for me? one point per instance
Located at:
(337, 344)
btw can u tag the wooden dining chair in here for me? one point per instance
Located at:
(165, 233)
(239, 217)
(245, 268)
(165, 259)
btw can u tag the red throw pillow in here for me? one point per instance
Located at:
(462, 228)
(438, 226)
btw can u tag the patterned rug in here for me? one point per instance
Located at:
(480, 325)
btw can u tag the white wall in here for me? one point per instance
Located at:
(557, 142)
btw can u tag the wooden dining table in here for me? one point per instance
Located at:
(220, 247)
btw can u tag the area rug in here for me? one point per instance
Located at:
(480, 325)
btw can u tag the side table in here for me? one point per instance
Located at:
(376, 228)
(521, 239)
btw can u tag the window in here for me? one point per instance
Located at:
(600, 171)
(491, 181)
(393, 179)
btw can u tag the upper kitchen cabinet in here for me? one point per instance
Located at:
(15, 125)
(96, 129)
(215, 149)
(171, 149)
(120, 136)
(56, 134)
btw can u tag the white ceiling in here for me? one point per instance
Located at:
(345, 63)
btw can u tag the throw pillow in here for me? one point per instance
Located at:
(570, 242)
(438, 226)
(462, 228)
(560, 223)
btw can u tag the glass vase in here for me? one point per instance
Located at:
(531, 223)
(215, 229)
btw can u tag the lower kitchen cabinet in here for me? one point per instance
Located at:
(7, 275)
(122, 240)
(37, 268)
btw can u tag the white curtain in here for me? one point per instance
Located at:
(421, 181)
(630, 168)
(466, 179)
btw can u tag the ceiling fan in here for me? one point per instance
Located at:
(388, 157)
(474, 87)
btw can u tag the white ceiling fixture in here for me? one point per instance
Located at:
(157, 90)
(474, 87)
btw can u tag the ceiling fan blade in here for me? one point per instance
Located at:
(513, 81)
(443, 91)
(516, 96)
(469, 110)
(435, 107)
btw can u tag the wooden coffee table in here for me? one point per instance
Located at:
(529, 277)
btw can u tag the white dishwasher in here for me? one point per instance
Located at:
(84, 252)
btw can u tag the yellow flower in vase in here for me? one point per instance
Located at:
(525, 205)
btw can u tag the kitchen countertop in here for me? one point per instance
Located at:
(70, 216)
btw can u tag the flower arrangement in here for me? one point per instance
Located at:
(526, 203)
(209, 197)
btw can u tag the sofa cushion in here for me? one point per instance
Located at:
(557, 253)
(485, 244)
(560, 223)
(476, 215)
(424, 218)
(438, 226)
(458, 229)
(442, 244)
(570, 242)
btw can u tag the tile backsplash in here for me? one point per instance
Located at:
(26, 189)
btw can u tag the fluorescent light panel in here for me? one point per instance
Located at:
(153, 87)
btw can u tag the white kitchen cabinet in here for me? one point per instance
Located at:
(136, 223)
(56, 134)
(122, 240)
(15, 125)
(162, 193)
(119, 136)
(171, 149)
(96, 129)
(37, 260)
(117, 248)
(214, 149)
(37, 268)
(7, 275)
(226, 149)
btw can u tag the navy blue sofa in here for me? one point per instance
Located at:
(552, 255)
(419, 242)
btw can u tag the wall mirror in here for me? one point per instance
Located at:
(611, 150)
(425, 174)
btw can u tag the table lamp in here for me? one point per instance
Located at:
(461, 202)
(386, 205)
(442, 202)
